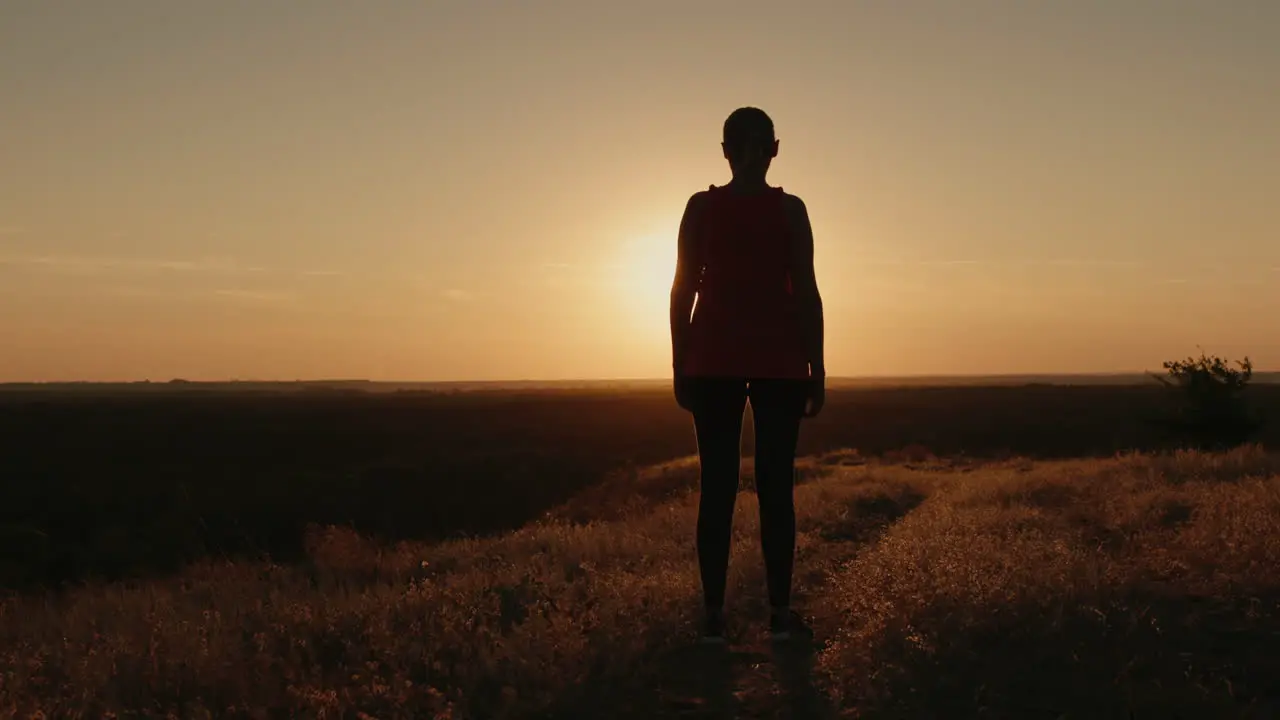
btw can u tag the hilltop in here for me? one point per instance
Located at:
(939, 588)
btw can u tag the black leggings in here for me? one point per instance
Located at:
(777, 407)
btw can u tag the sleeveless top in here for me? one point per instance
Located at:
(745, 320)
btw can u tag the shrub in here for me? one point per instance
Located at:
(1210, 402)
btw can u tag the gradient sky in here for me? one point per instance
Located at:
(454, 189)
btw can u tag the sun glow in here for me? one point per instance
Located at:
(645, 271)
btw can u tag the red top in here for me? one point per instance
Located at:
(745, 321)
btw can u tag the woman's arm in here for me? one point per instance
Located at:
(804, 282)
(684, 287)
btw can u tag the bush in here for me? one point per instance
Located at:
(1211, 409)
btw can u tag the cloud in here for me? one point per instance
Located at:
(11, 230)
(897, 262)
(90, 265)
(254, 296)
(456, 295)
(1108, 263)
(967, 262)
(87, 265)
(133, 291)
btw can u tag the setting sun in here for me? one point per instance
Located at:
(643, 283)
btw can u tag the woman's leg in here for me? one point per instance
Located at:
(718, 404)
(777, 407)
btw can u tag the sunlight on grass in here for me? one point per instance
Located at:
(1072, 589)
(1081, 588)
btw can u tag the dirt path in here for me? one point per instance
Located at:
(752, 677)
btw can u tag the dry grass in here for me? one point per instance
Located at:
(633, 491)
(1144, 585)
(1013, 589)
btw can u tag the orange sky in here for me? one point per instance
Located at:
(490, 190)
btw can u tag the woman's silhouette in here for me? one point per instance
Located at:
(755, 332)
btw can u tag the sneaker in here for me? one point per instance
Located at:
(788, 625)
(712, 628)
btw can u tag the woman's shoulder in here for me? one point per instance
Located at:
(792, 202)
(702, 198)
(699, 199)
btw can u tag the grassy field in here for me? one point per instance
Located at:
(964, 552)
(1139, 586)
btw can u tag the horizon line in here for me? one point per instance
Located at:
(525, 381)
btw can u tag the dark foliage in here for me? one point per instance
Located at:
(120, 484)
(1210, 399)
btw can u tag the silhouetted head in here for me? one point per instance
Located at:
(749, 143)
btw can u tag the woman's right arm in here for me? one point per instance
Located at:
(684, 288)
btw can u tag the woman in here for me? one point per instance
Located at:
(755, 332)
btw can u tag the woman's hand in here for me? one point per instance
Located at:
(817, 396)
(681, 387)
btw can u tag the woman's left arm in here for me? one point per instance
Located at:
(804, 282)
